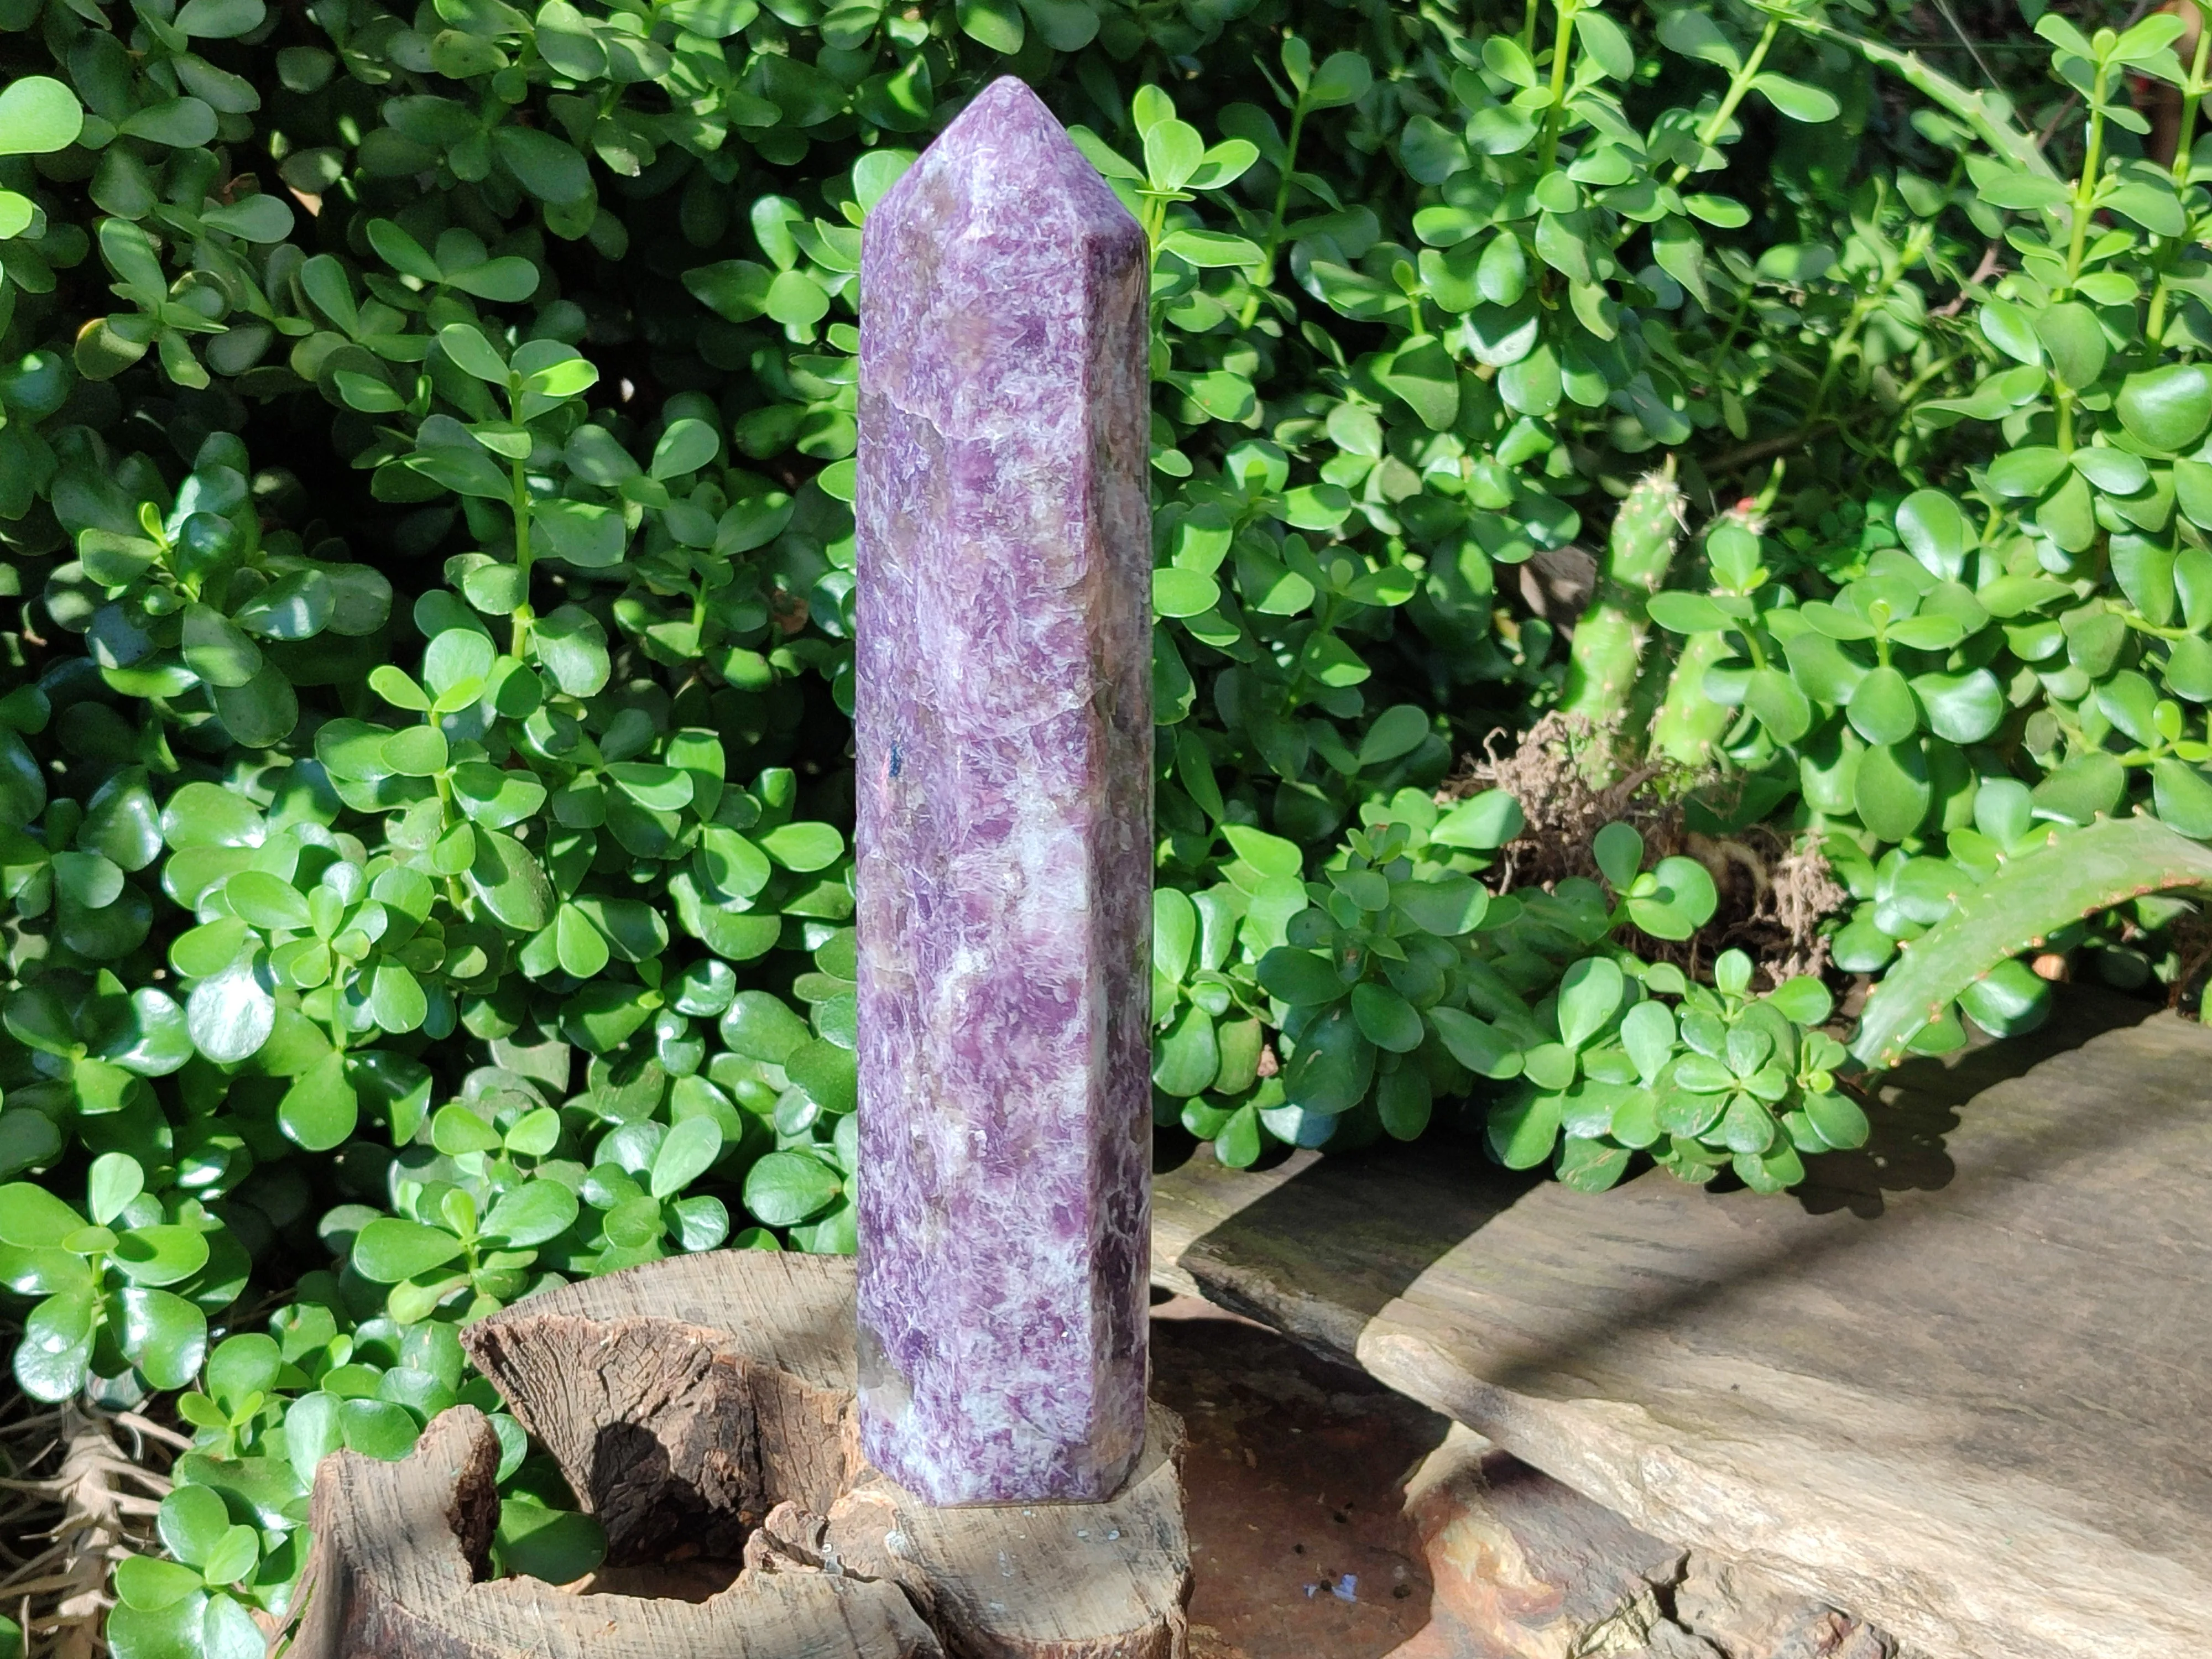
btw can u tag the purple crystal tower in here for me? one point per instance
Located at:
(1005, 729)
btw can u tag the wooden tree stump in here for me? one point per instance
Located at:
(704, 1407)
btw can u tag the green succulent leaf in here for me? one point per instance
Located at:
(390, 1250)
(445, 909)
(784, 1187)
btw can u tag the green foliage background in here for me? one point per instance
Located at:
(425, 469)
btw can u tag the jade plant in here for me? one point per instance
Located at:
(426, 480)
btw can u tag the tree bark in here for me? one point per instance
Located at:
(703, 1407)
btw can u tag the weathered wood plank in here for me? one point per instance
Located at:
(1959, 1387)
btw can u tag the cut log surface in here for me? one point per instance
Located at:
(1049, 1580)
(686, 1399)
(399, 1547)
(1958, 1385)
(704, 1407)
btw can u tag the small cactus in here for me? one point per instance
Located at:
(1608, 646)
(1691, 725)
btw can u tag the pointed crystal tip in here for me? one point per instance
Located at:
(1004, 159)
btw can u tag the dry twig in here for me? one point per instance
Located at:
(67, 1516)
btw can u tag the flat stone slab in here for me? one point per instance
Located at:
(1960, 1385)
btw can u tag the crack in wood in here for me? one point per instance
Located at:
(736, 1437)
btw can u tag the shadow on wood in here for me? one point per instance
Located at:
(1909, 1149)
(1367, 1225)
(705, 1405)
(1956, 1388)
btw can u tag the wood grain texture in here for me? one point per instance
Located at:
(398, 1547)
(1958, 1385)
(707, 1403)
(1037, 1581)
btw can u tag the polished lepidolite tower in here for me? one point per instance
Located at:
(1003, 693)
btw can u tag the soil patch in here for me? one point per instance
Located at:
(1294, 1487)
(1547, 773)
(1773, 893)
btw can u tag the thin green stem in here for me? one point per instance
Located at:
(2085, 187)
(1324, 620)
(1739, 84)
(1735, 324)
(1916, 247)
(1290, 165)
(2085, 196)
(2143, 624)
(519, 504)
(1911, 388)
(2192, 99)
(1155, 219)
(1563, 52)
(339, 975)
(1837, 348)
(1265, 277)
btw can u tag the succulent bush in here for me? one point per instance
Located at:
(425, 470)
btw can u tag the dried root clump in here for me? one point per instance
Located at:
(80, 1492)
(1774, 894)
(1774, 897)
(1548, 773)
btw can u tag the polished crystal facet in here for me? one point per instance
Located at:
(1004, 714)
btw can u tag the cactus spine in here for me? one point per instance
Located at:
(1608, 646)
